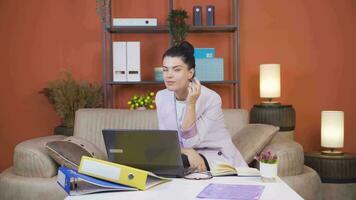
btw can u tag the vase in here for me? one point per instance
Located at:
(63, 130)
(141, 108)
(268, 171)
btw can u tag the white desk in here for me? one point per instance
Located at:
(189, 189)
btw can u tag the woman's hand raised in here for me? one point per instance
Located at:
(193, 91)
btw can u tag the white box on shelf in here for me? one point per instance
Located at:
(134, 22)
(133, 61)
(119, 62)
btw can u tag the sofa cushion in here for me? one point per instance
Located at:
(15, 187)
(251, 139)
(69, 151)
(31, 158)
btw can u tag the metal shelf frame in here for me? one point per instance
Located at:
(108, 30)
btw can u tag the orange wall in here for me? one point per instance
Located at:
(313, 40)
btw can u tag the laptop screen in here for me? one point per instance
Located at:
(152, 150)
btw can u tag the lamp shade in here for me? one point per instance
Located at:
(270, 80)
(332, 129)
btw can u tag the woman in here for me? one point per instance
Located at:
(195, 112)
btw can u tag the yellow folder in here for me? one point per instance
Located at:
(121, 174)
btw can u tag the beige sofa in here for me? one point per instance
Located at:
(33, 174)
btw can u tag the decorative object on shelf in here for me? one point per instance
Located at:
(67, 96)
(207, 67)
(142, 102)
(272, 112)
(197, 18)
(270, 82)
(177, 25)
(158, 74)
(332, 131)
(134, 22)
(268, 166)
(210, 15)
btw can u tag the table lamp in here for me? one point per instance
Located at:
(272, 112)
(332, 131)
(270, 82)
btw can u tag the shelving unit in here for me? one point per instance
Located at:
(109, 30)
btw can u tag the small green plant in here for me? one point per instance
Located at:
(177, 25)
(67, 96)
(147, 101)
(266, 157)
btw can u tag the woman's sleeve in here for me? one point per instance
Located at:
(207, 123)
(158, 106)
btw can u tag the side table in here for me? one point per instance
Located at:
(337, 173)
(277, 114)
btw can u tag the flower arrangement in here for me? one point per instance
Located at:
(266, 157)
(147, 101)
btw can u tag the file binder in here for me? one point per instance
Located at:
(121, 174)
(133, 61)
(119, 62)
(75, 183)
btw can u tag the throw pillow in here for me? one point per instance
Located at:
(69, 151)
(251, 139)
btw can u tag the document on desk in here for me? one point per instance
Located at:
(232, 191)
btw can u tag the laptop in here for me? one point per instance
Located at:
(157, 151)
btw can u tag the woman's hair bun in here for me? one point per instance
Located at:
(187, 47)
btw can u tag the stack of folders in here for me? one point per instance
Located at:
(96, 175)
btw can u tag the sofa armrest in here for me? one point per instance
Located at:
(290, 156)
(31, 158)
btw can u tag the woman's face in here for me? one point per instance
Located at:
(176, 74)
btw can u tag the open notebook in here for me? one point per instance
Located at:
(225, 169)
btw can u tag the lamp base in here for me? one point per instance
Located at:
(332, 152)
(270, 103)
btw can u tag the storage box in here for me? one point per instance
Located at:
(209, 69)
(204, 53)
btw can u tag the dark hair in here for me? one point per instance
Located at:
(185, 51)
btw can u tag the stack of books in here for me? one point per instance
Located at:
(96, 175)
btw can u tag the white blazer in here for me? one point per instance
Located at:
(208, 135)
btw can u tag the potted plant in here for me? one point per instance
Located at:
(142, 102)
(177, 26)
(67, 96)
(268, 165)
